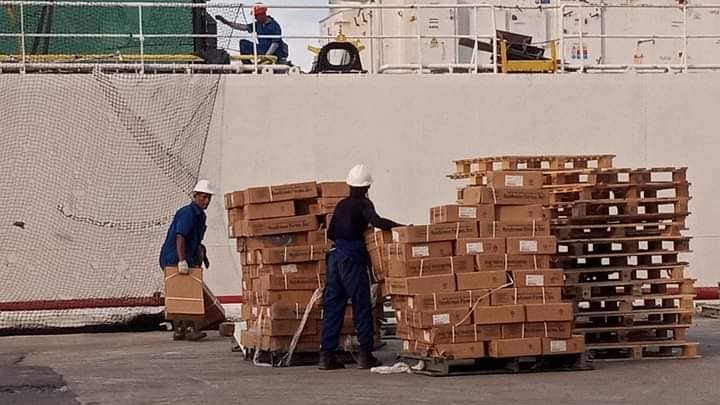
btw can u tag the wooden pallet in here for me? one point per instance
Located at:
(440, 367)
(630, 230)
(625, 244)
(466, 168)
(619, 333)
(621, 218)
(643, 351)
(630, 290)
(613, 207)
(709, 310)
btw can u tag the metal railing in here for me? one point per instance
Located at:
(145, 62)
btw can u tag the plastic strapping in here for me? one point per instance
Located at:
(270, 192)
(494, 227)
(506, 261)
(286, 281)
(285, 254)
(427, 233)
(422, 266)
(535, 262)
(494, 195)
(435, 301)
(475, 331)
(319, 281)
(297, 310)
(546, 329)
(312, 252)
(515, 296)
(523, 331)
(452, 264)
(533, 230)
(457, 231)
(543, 294)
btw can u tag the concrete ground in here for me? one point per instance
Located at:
(149, 368)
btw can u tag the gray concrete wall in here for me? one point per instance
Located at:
(269, 130)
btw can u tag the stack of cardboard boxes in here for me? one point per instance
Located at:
(281, 237)
(476, 281)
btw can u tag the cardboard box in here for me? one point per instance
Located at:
(538, 278)
(326, 205)
(292, 281)
(515, 347)
(449, 300)
(290, 254)
(407, 251)
(271, 241)
(539, 245)
(377, 238)
(183, 293)
(515, 179)
(276, 226)
(279, 343)
(502, 196)
(480, 280)
(277, 209)
(284, 311)
(551, 346)
(558, 330)
(512, 331)
(421, 285)
(499, 315)
(318, 237)
(234, 200)
(479, 246)
(511, 262)
(235, 214)
(460, 334)
(434, 232)
(521, 212)
(430, 266)
(286, 327)
(333, 189)
(454, 213)
(447, 317)
(555, 312)
(459, 351)
(513, 228)
(305, 268)
(526, 295)
(284, 192)
(265, 298)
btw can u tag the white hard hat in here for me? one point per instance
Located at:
(203, 186)
(359, 176)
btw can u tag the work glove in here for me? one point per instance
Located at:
(183, 267)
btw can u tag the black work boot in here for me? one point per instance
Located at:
(178, 330)
(329, 361)
(367, 360)
(193, 334)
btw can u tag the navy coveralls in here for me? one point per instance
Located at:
(347, 270)
(269, 27)
(190, 222)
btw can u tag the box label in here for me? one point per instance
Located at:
(467, 212)
(528, 246)
(558, 346)
(514, 181)
(441, 319)
(474, 247)
(289, 268)
(535, 280)
(421, 251)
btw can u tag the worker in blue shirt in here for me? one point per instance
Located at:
(264, 26)
(183, 248)
(347, 272)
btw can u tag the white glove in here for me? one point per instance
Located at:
(183, 267)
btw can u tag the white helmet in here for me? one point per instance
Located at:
(203, 186)
(359, 176)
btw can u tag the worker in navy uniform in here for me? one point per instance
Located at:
(347, 272)
(264, 25)
(183, 248)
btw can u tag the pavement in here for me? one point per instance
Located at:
(149, 368)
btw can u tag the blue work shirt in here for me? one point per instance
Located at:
(190, 222)
(269, 27)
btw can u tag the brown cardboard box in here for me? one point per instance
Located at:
(377, 238)
(183, 293)
(277, 209)
(326, 205)
(291, 254)
(284, 311)
(284, 192)
(333, 189)
(480, 280)
(429, 319)
(538, 245)
(538, 278)
(513, 228)
(235, 214)
(292, 281)
(512, 331)
(279, 343)
(499, 315)
(430, 266)
(460, 334)
(557, 330)
(453, 213)
(234, 200)
(521, 212)
(502, 196)
(421, 285)
(549, 312)
(551, 346)
(511, 262)
(434, 232)
(306, 268)
(270, 241)
(407, 251)
(318, 237)
(515, 179)
(286, 327)
(449, 300)
(458, 351)
(247, 312)
(276, 226)
(526, 295)
(479, 246)
(281, 297)
(515, 347)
